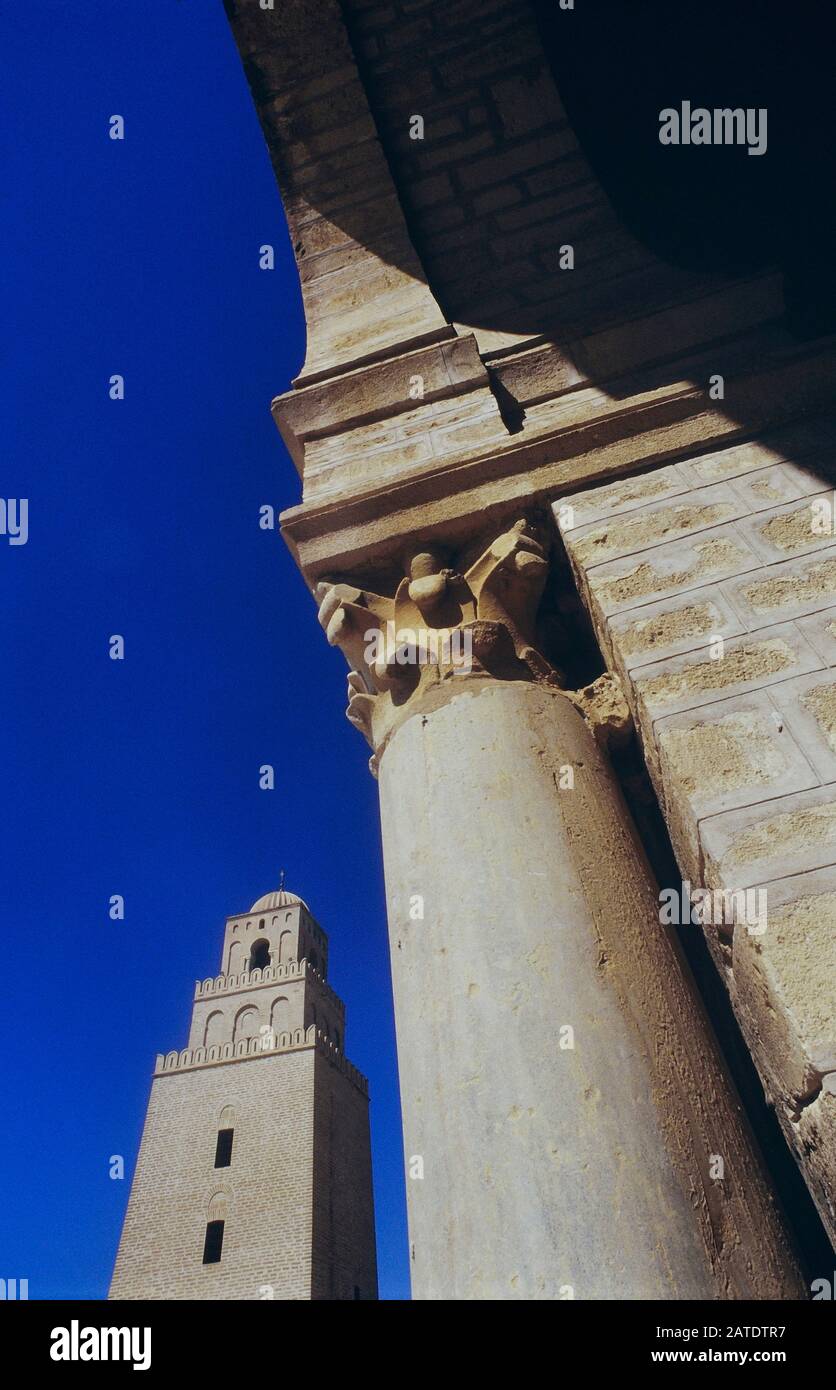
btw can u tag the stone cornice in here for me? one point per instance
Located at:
(225, 1054)
(452, 501)
(221, 986)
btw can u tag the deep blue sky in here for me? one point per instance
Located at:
(141, 777)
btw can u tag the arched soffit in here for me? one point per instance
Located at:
(396, 236)
(473, 218)
(363, 286)
(710, 206)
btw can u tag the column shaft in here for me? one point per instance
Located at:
(556, 1163)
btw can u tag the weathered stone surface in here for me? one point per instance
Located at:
(820, 631)
(788, 590)
(439, 626)
(614, 499)
(738, 724)
(710, 673)
(808, 705)
(785, 984)
(671, 626)
(785, 531)
(319, 132)
(797, 440)
(815, 1138)
(590, 1168)
(726, 754)
(391, 387)
(650, 526)
(769, 487)
(779, 837)
(676, 567)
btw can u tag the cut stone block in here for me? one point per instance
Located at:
(671, 626)
(732, 753)
(772, 487)
(614, 499)
(704, 675)
(808, 704)
(787, 590)
(788, 530)
(811, 474)
(651, 526)
(790, 835)
(792, 442)
(820, 631)
(785, 983)
(674, 568)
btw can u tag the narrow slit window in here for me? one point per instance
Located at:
(214, 1243)
(223, 1149)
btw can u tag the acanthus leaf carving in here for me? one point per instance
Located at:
(439, 625)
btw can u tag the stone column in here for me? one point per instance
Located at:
(570, 1128)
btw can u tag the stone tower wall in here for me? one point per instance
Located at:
(296, 1197)
(343, 1208)
(269, 1184)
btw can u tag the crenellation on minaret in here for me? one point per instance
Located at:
(254, 1171)
(278, 942)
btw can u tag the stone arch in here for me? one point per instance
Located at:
(259, 954)
(218, 1206)
(214, 1031)
(279, 1012)
(237, 955)
(226, 1119)
(246, 1023)
(284, 946)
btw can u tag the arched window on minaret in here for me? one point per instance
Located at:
(260, 954)
(213, 1240)
(284, 947)
(280, 1016)
(236, 958)
(246, 1024)
(215, 1030)
(226, 1133)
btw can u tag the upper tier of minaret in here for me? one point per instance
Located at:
(278, 928)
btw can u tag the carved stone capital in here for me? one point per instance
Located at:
(442, 625)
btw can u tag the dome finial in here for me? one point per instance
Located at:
(281, 881)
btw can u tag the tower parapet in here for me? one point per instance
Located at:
(254, 1171)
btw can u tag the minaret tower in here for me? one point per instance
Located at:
(254, 1174)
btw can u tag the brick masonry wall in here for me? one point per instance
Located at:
(269, 1185)
(498, 183)
(343, 1207)
(739, 734)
